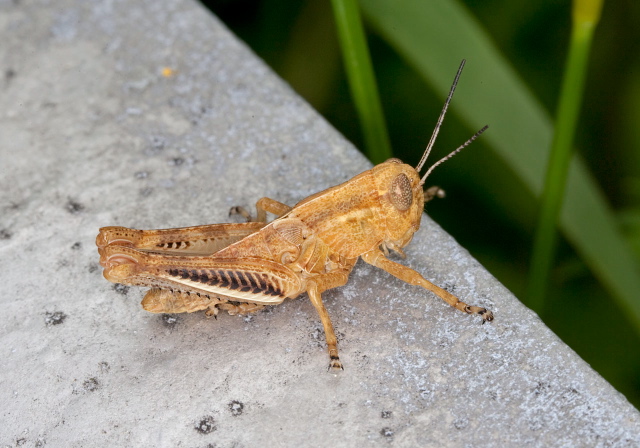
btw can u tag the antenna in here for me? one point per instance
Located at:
(432, 141)
(453, 153)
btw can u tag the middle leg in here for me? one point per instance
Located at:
(263, 206)
(315, 289)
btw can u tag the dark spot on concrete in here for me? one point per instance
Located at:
(386, 414)
(55, 318)
(5, 234)
(236, 408)
(570, 394)
(93, 267)
(386, 432)
(169, 320)
(76, 246)
(318, 335)
(141, 174)
(461, 423)
(91, 384)
(542, 388)
(206, 426)
(158, 143)
(146, 192)
(176, 161)
(21, 441)
(536, 423)
(121, 289)
(40, 443)
(74, 207)
(104, 366)
(9, 74)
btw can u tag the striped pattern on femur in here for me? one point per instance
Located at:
(241, 281)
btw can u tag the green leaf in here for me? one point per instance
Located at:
(433, 36)
(362, 80)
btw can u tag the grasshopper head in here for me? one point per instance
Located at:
(401, 199)
(401, 196)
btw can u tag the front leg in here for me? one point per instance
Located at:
(377, 258)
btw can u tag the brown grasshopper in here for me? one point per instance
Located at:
(311, 247)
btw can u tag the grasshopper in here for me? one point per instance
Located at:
(308, 248)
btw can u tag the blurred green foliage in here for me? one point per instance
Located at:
(489, 208)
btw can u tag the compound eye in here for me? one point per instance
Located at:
(401, 192)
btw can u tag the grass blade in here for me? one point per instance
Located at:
(361, 78)
(584, 23)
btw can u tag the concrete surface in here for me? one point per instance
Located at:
(92, 133)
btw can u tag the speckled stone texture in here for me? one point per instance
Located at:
(93, 134)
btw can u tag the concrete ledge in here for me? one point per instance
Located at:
(92, 133)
